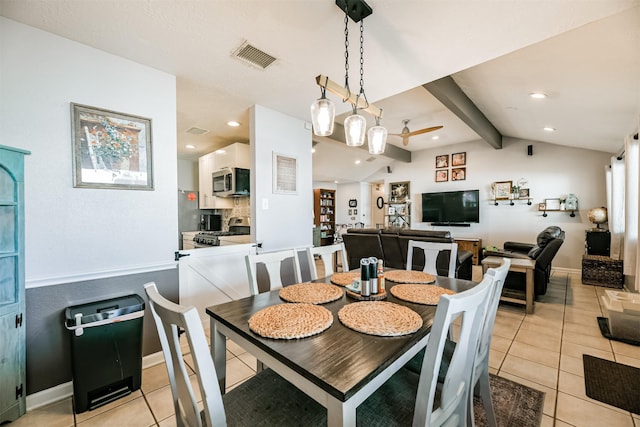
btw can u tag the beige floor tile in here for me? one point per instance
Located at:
(249, 360)
(626, 349)
(578, 412)
(135, 413)
(235, 348)
(510, 313)
(516, 310)
(496, 358)
(577, 350)
(547, 421)
(532, 371)
(535, 354)
(573, 365)
(493, 371)
(549, 393)
(592, 330)
(168, 422)
(58, 414)
(575, 386)
(500, 344)
(600, 343)
(549, 328)
(109, 406)
(539, 339)
(237, 371)
(626, 360)
(563, 424)
(506, 328)
(154, 377)
(161, 402)
(581, 317)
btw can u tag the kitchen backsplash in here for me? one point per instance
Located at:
(241, 207)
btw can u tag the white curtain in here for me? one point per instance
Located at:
(632, 167)
(615, 205)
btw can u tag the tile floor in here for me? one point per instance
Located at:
(543, 350)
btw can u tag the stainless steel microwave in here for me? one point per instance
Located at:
(231, 182)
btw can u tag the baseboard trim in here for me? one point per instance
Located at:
(65, 390)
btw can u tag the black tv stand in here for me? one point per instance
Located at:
(452, 224)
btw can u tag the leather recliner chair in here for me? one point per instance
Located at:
(543, 251)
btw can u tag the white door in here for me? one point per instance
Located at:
(210, 276)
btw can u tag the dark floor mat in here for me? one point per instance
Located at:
(612, 383)
(603, 323)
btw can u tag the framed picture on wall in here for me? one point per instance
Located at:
(459, 159)
(400, 191)
(458, 174)
(442, 176)
(285, 174)
(502, 190)
(110, 149)
(442, 161)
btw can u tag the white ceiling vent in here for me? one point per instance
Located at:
(371, 159)
(253, 55)
(197, 131)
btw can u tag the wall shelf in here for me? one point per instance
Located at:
(511, 202)
(572, 214)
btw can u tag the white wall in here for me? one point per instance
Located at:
(287, 221)
(74, 232)
(552, 171)
(188, 175)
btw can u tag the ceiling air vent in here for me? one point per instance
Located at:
(253, 55)
(371, 159)
(197, 131)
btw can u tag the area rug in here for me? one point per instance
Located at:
(514, 404)
(612, 383)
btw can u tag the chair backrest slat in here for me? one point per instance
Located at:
(326, 254)
(272, 262)
(431, 251)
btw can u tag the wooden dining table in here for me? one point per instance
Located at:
(339, 368)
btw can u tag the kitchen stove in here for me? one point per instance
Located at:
(238, 226)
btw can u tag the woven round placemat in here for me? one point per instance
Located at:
(289, 321)
(381, 318)
(344, 279)
(373, 297)
(409, 276)
(312, 293)
(420, 294)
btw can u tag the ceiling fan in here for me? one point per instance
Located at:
(406, 133)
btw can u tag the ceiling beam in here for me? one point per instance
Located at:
(449, 93)
(391, 151)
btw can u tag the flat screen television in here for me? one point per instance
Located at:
(450, 207)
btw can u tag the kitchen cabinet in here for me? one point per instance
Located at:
(233, 156)
(12, 291)
(324, 208)
(206, 166)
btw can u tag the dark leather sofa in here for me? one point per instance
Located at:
(543, 251)
(391, 245)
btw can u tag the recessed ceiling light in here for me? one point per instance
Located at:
(435, 137)
(538, 95)
(335, 182)
(357, 162)
(233, 123)
(190, 146)
(220, 151)
(549, 129)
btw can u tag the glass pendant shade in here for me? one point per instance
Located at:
(323, 113)
(377, 137)
(354, 130)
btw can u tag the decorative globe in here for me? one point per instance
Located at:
(598, 216)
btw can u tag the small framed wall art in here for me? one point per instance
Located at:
(459, 159)
(458, 174)
(502, 190)
(442, 161)
(400, 191)
(442, 175)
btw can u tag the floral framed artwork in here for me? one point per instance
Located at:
(459, 159)
(400, 191)
(442, 161)
(442, 175)
(110, 150)
(523, 193)
(458, 174)
(502, 190)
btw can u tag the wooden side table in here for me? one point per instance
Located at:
(520, 265)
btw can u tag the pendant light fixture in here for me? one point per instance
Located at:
(323, 111)
(323, 114)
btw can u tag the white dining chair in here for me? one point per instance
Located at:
(481, 365)
(431, 251)
(273, 262)
(392, 403)
(326, 254)
(264, 399)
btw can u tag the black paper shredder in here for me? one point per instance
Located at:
(106, 350)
